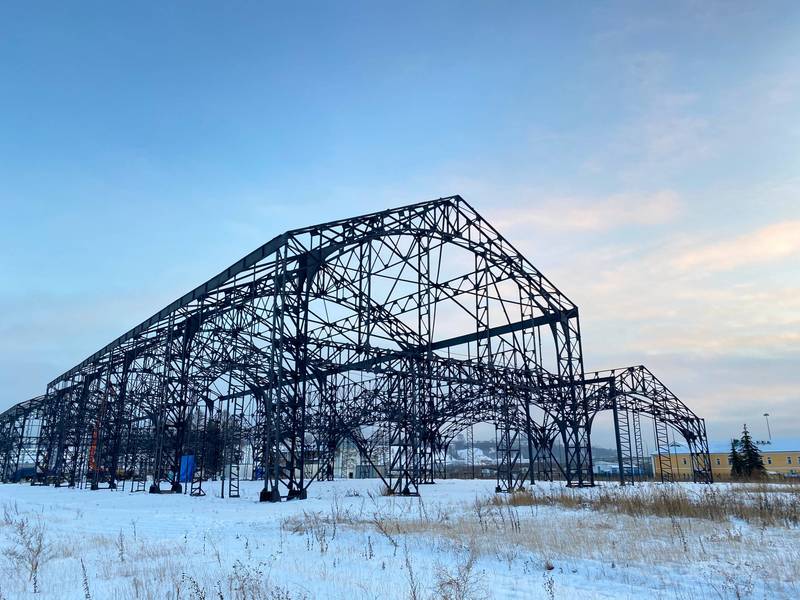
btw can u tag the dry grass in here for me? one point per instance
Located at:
(30, 548)
(762, 505)
(666, 529)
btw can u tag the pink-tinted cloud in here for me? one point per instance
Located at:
(770, 243)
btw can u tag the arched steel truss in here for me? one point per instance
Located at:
(396, 330)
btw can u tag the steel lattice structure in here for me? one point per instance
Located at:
(395, 330)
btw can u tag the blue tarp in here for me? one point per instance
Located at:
(187, 468)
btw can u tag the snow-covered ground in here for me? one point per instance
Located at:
(348, 541)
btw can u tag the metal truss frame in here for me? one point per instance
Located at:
(394, 330)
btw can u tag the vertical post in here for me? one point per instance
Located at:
(529, 435)
(272, 422)
(620, 461)
(159, 418)
(425, 431)
(574, 408)
(196, 488)
(120, 411)
(471, 441)
(22, 438)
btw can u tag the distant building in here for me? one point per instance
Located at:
(605, 468)
(611, 469)
(781, 457)
(346, 460)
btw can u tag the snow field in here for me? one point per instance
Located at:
(348, 541)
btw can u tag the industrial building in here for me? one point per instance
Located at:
(781, 459)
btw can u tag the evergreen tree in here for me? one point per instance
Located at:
(752, 463)
(737, 463)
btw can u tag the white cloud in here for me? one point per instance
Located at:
(592, 214)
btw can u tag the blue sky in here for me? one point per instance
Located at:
(646, 158)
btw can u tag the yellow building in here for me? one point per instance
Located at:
(781, 458)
